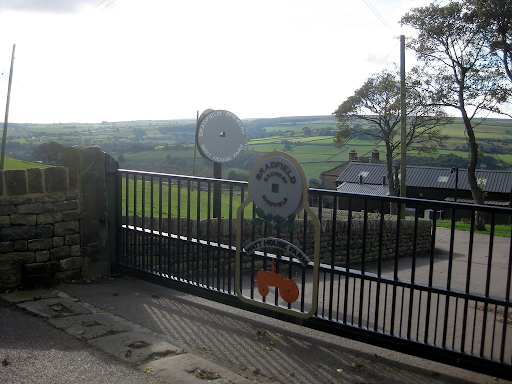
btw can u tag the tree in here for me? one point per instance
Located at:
(48, 152)
(495, 18)
(459, 71)
(374, 111)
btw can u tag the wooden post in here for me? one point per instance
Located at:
(4, 138)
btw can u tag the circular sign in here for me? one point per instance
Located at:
(277, 185)
(220, 136)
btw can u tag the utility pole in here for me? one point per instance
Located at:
(4, 137)
(403, 122)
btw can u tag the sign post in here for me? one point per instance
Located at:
(278, 188)
(220, 137)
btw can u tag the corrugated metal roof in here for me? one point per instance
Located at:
(428, 177)
(367, 189)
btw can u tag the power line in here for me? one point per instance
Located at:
(376, 13)
(96, 6)
(109, 5)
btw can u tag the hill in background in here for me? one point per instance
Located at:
(168, 145)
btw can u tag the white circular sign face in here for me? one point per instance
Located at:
(277, 186)
(220, 136)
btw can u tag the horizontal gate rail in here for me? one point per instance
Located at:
(400, 282)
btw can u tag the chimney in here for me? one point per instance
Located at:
(375, 154)
(361, 179)
(383, 181)
(352, 155)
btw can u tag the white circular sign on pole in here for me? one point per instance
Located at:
(220, 136)
(277, 184)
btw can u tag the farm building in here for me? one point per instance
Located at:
(431, 183)
(330, 176)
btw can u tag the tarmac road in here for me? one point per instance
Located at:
(34, 351)
(261, 348)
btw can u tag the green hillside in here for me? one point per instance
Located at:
(10, 163)
(168, 145)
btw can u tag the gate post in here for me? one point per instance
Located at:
(94, 240)
(113, 204)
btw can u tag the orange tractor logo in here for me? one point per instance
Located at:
(287, 287)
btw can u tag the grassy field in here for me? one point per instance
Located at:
(10, 163)
(191, 198)
(151, 145)
(499, 229)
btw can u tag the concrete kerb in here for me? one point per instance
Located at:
(146, 350)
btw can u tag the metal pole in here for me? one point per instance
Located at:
(456, 183)
(217, 191)
(4, 137)
(403, 122)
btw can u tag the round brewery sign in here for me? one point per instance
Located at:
(220, 136)
(277, 184)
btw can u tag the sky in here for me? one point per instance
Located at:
(117, 60)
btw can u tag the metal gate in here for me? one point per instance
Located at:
(411, 283)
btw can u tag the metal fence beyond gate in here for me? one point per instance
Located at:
(413, 284)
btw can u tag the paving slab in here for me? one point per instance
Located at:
(182, 369)
(91, 326)
(29, 295)
(136, 346)
(55, 307)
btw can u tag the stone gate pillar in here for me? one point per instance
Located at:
(90, 162)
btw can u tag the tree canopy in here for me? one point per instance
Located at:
(48, 153)
(374, 111)
(495, 18)
(460, 70)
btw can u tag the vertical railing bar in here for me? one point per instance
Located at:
(507, 300)
(189, 229)
(430, 275)
(437, 317)
(198, 258)
(230, 236)
(491, 353)
(169, 227)
(474, 328)
(413, 273)
(395, 268)
(379, 266)
(468, 284)
(160, 224)
(151, 224)
(208, 233)
(347, 260)
(178, 228)
(128, 246)
(449, 280)
(363, 262)
(136, 241)
(323, 293)
(219, 224)
(402, 303)
(455, 321)
(253, 266)
(334, 223)
(487, 284)
(304, 246)
(144, 236)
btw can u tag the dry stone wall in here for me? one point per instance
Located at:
(335, 243)
(39, 226)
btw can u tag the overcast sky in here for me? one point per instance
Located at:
(94, 60)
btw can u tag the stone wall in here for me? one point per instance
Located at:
(39, 225)
(371, 239)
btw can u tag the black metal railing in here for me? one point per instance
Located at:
(408, 281)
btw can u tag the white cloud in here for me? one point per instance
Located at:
(161, 59)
